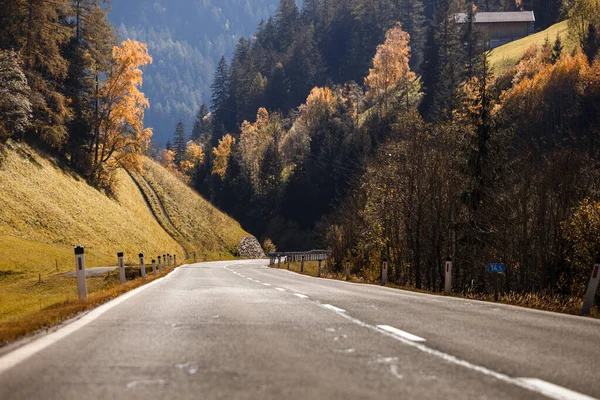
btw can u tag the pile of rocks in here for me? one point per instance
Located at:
(250, 248)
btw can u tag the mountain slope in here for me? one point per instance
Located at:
(46, 211)
(186, 38)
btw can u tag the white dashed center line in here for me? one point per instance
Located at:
(302, 296)
(401, 333)
(280, 289)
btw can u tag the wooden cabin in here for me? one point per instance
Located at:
(502, 27)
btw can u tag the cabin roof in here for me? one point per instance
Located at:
(498, 17)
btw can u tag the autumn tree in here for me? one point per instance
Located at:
(192, 157)
(15, 106)
(120, 134)
(582, 14)
(391, 82)
(201, 130)
(221, 154)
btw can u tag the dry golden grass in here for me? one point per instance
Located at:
(45, 211)
(207, 231)
(57, 297)
(506, 56)
(538, 301)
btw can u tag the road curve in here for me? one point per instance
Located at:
(239, 329)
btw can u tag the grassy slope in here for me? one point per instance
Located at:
(45, 211)
(507, 55)
(206, 231)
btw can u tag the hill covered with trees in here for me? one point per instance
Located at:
(378, 130)
(187, 38)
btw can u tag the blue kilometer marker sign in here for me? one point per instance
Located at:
(496, 268)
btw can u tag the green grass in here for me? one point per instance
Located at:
(508, 55)
(46, 210)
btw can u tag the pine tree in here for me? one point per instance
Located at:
(179, 142)
(441, 69)
(15, 106)
(556, 49)
(220, 100)
(473, 43)
(591, 43)
(37, 29)
(286, 24)
(202, 127)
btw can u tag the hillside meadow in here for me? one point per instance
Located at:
(46, 210)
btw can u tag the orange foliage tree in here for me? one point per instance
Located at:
(391, 81)
(222, 153)
(120, 136)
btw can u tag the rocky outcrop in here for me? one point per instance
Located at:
(250, 248)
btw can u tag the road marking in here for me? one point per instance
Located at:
(553, 391)
(535, 385)
(280, 289)
(267, 284)
(334, 308)
(21, 354)
(302, 296)
(401, 333)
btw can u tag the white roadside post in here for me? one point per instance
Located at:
(122, 276)
(319, 269)
(174, 259)
(592, 287)
(153, 266)
(168, 259)
(165, 260)
(80, 267)
(289, 260)
(302, 265)
(347, 270)
(142, 266)
(159, 265)
(384, 272)
(448, 277)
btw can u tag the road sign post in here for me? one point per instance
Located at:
(591, 290)
(122, 276)
(347, 270)
(142, 266)
(319, 269)
(496, 268)
(80, 267)
(302, 265)
(448, 277)
(384, 272)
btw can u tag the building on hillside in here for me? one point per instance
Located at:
(502, 27)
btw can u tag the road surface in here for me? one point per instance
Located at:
(241, 330)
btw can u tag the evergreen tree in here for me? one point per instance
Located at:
(220, 102)
(38, 30)
(557, 49)
(179, 142)
(286, 21)
(202, 127)
(473, 43)
(441, 69)
(591, 43)
(15, 106)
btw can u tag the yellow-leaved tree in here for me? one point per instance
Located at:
(391, 82)
(193, 156)
(222, 153)
(120, 137)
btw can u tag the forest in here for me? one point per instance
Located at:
(378, 130)
(375, 129)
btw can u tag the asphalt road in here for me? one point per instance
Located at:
(240, 330)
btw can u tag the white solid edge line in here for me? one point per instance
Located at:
(401, 333)
(553, 391)
(21, 354)
(334, 308)
(302, 296)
